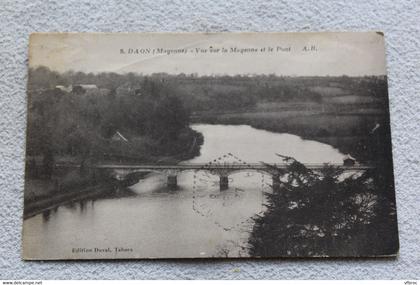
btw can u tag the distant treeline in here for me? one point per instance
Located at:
(220, 92)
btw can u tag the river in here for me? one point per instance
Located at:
(196, 220)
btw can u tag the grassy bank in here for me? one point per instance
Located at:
(41, 204)
(349, 132)
(74, 184)
(64, 186)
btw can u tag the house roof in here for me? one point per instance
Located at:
(348, 156)
(119, 136)
(88, 86)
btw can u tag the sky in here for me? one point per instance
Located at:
(288, 54)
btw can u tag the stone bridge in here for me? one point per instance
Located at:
(120, 171)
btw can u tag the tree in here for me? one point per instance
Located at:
(322, 214)
(48, 163)
(169, 118)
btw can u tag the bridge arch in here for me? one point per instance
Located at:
(120, 172)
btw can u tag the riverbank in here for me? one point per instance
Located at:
(40, 205)
(72, 185)
(348, 132)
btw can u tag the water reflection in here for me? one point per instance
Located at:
(46, 215)
(195, 220)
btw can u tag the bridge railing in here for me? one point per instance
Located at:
(197, 166)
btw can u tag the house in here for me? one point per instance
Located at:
(88, 86)
(119, 137)
(64, 88)
(84, 88)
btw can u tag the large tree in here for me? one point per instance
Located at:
(324, 214)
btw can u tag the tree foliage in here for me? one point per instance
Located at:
(81, 124)
(324, 214)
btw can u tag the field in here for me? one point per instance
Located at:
(345, 131)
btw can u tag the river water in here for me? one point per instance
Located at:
(196, 220)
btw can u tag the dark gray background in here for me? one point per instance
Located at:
(398, 19)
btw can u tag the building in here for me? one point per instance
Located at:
(64, 88)
(87, 86)
(84, 88)
(119, 137)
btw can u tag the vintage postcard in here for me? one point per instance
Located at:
(208, 145)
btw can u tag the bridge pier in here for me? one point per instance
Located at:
(276, 182)
(172, 181)
(224, 182)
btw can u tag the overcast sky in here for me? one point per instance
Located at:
(350, 54)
